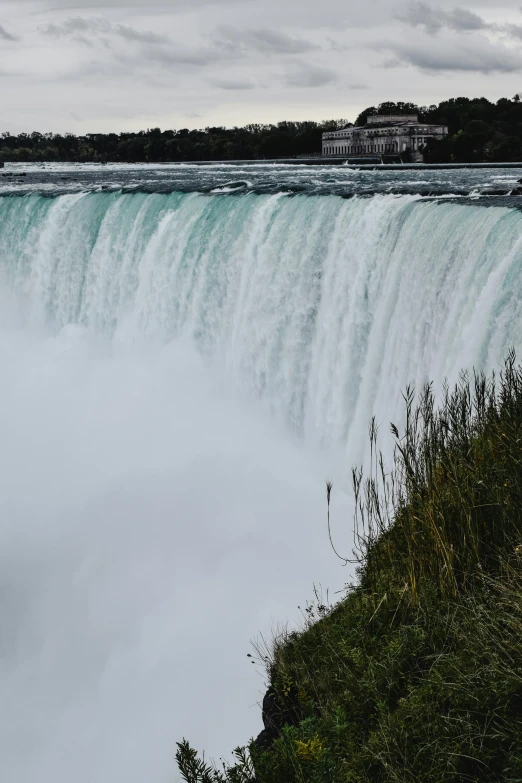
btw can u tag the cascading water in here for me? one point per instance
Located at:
(180, 372)
(323, 307)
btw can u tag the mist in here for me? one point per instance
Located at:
(152, 524)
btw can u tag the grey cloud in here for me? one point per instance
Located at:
(86, 5)
(337, 46)
(229, 44)
(307, 75)
(74, 26)
(87, 41)
(6, 36)
(478, 55)
(176, 55)
(79, 26)
(154, 49)
(393, 62)
(461, 20)
(261, 40)
(106, 71)
(141, 36)
(292, 14)
(434, 19)
(514, 30)
(232, 84)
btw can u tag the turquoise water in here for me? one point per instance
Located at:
(316, 305)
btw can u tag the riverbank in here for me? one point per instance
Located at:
(416, 676)
(320, 161)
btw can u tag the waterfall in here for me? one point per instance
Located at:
(180, 373)
(320, 306)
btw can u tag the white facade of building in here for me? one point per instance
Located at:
(382, 135)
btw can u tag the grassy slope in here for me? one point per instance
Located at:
(417, 674)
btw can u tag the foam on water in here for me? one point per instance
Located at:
(260, 177)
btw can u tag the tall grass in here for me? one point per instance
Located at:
(416, 675)
(451, 508)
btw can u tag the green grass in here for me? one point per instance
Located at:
(416, 675)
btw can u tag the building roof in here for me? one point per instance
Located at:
(407, 123)
(391, 119)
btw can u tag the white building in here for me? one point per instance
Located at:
(382, 135)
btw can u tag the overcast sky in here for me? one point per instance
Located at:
(113, 65)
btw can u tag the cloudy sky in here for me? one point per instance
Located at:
(113, 65)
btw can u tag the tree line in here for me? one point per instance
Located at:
(479, 130)
(256, 141)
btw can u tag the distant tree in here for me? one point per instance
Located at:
(363, 116)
